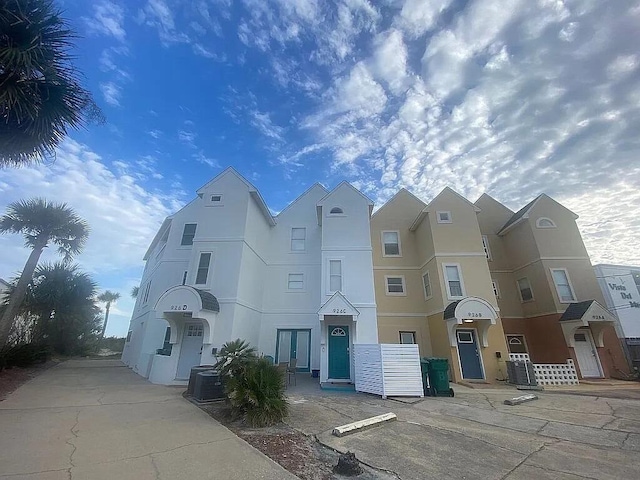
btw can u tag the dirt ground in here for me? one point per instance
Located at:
(12, 378)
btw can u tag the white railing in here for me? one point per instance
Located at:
(551, 373)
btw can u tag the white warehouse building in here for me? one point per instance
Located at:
(295, 285)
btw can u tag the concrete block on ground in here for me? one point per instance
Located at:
(521, 399)
(362, 424)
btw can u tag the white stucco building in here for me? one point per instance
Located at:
(296, 285)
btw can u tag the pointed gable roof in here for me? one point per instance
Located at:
(523, 213)
(430, 206)
(485, 196)
(398, 194)
(253, 192)
(341, 185)
(303, 194)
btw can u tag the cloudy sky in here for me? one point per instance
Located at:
(508, 97)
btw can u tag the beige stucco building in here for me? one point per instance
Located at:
(472, 282)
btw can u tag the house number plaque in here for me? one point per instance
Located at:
(180, 308)
(339, 310)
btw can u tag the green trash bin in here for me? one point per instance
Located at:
(424, 370)
(438, 369)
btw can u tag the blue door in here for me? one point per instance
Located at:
(339, 352)
(294, 344)
(469, 354)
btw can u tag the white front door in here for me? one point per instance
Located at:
(586, 354)
(190, 349)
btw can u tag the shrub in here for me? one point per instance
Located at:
(24, 355)
(234, 356)
(256, 393)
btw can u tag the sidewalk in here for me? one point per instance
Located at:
(95, 419)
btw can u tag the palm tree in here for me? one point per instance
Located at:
(134, 292)
(40, 93)
(40, 222)
(108, 297)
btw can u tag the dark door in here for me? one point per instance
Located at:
(469, 354)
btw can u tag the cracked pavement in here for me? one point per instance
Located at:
(95, 419)
(475, 436)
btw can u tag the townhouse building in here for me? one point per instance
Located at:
(297, 285)
(620, 285)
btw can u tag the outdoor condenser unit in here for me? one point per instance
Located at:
(208, 386)
(521, 372)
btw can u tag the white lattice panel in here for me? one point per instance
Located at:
(519, 357)
(556, 373)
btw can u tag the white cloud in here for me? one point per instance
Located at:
(390, 60)
(108, 19)
(419, 16)
(262, 121)
(111, 93)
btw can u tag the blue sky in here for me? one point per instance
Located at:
(508, 97)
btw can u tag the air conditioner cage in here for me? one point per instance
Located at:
(521, 372)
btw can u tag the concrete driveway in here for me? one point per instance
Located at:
(475, 436)
(95, 419)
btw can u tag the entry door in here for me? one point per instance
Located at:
(294, 344)
(339, 352)
(469, 354)
(190, 350)
(586, 354)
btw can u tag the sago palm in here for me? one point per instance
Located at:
(40, 93)
(108, 297)
(41, 223)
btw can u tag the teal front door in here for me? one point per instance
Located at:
(339, 352)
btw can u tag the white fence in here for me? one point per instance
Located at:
(551, 373)
(389, 370)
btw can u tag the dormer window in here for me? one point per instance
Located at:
(336, 211)
(443, 217)
(544, 222)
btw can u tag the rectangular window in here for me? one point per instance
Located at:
(188, 233)
(335, 275)
(408, 337)
(184, 278)
(526, 294)
(295, 281)
(147, 289)
(298, 237)
(217, 198)
(129, 333)
(395, 285)
(426, 283)
(563, 286)
(453, 280)
(443, 217)
(496, 289)
(391, 244)
(485, 245)
(203, 268)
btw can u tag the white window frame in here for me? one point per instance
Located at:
(329, 260)
(184, 277)
(396, 294)
(301, 281)
(520, 290)
(541, 219)
(566, 274)
(487, 249)
(509, 336)
(218, 203)
(206, 282)
(183, 232)
(304, 240)
(384, 254)
(424, 287)
(441, 220)
(496, 288)
(145, 295)
(413, 336)
(446, 280)
(337, 214)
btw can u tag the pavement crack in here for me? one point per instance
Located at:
(554, 471)
(540, 448)
(542, 427)
(24, 474)
(69, 441)
(155, 467)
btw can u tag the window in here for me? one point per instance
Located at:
(485, 245)
(295, 281)
(298, 236)
(395, 285)
(145, 297)
(544, 222)
(444, 217)
(336, 211)
(166, 345)
(216, 199)
(526, 294)
(426, 283)
(563, 286)
(188, 233)
(390, 244)
(496, 289)
(453, 280)
(129, 333)
(516, 344)
(464, 336)
(408, 337)
(184, 278)
(203, 268)
(335, 276)
(194, 330)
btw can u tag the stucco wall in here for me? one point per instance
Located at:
(389, 328)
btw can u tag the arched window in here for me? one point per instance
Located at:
(338, 332)
(336, 211)
(544, 222)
